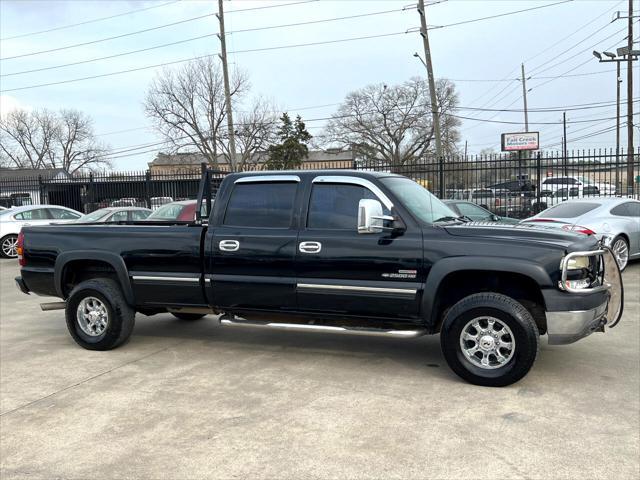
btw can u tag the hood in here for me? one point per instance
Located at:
(525, 233)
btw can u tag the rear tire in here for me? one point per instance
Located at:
(98, 317)
(8, 246)
(188, 316)
(499, 350)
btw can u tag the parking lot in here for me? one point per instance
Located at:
(195, 400)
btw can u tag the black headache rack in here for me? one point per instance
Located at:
(207, 191)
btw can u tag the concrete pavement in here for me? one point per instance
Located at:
(195, 400)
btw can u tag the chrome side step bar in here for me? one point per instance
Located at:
(53, 306)
(303, 327)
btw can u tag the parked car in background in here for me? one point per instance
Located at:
(115, 214)
(13, 219)
(127, 202)
(583, 185)
(183, 211)
(157, 202)
(16, 200)
(476, 213)
(614, 220)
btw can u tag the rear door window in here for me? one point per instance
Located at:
(570, 210)
(261, 205)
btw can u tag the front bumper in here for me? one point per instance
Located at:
(576, 313)
(571, 326)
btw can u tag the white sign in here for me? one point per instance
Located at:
(512, 142)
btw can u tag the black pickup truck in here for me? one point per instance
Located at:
(334, 251)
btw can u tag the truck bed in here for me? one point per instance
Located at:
(164, 256)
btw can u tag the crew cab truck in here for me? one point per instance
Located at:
(334, 252)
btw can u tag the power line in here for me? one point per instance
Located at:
(326, 42)
(464, 22)
(199, 38)
(86, 22)
(137, 32)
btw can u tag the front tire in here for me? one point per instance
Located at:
(489, 339)
(8, 246)
(98, 317)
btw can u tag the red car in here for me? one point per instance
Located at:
(183, 211)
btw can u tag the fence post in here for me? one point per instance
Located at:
(40, 190)
(441, 179)
(147, 187)
(538, 180)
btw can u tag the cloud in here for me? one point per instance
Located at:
(9, 103)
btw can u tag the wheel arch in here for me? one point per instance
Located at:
(68, 263)
(452, 279)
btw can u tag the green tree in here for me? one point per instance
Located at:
(292, 149)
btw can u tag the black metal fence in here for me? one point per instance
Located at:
(507, 184)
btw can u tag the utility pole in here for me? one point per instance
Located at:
(618, 82)
(524, 98)
(564, 150)
(432, 89)
(227, 91)
(630, 174)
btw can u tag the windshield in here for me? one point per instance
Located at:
(93, 216)
(425, 206)
(170, 211)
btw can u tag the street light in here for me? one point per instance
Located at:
(622, 56)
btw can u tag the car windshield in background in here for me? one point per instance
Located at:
(425, 206)
(170, 211)
(570, 210)
(93, 216)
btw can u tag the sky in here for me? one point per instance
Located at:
(554, 40)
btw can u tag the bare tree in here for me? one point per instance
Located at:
(255, 132)
(188, 107)
(394, 123)
(44, 139)
(27, 138)
(76, 143)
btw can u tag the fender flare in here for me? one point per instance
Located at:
(112, 259)
(449, 265)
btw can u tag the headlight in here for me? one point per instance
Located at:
(578, 263)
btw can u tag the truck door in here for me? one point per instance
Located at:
(254, 245)
(340, 271)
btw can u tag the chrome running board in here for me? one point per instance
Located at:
(303, 327)
(53, 306)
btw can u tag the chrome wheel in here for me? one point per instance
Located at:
(487, 342)
(621, 251)
(92, 316)
(10, 247)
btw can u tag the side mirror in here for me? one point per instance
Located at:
(370, 217)
(495, 218)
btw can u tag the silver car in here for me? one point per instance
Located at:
(614, 220)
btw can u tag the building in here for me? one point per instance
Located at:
(185, 163)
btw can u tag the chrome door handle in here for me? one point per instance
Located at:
(310, 247)
(229, 245)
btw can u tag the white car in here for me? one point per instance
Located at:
(12, 220)
(584, 186)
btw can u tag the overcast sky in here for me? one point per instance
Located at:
(483, 58)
